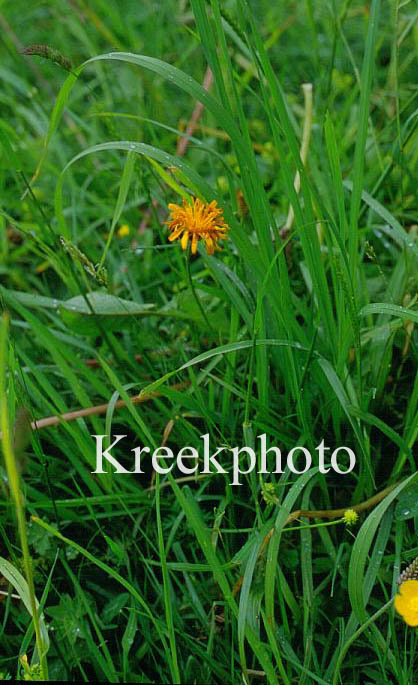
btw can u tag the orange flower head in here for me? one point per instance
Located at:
(197, 221)
(406, 603)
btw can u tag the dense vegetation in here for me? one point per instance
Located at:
(303, 328)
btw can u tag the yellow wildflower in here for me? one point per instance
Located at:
(350, 517)
(196, 221)
(406, 603)
(123, 231)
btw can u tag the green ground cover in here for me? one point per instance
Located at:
(303, 327)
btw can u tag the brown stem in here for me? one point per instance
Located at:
(336, 513)
(321, 514)
(97, 409)
(197, 113)
(181, 146)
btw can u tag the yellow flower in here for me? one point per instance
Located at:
(196, 221)
(406, 603)
(123, 231)
(350, 517)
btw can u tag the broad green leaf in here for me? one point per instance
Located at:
(28, 299)
(116, 312)
(113, 311)
(103, 304)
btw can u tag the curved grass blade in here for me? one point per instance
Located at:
(400, 236)
(16, 579)
(361, 549)
(141, 149)
(359, 154)
(391, 310)
(166, 71)
(273, 548)
(194, 517)
(223, 349)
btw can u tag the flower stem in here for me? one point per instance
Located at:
(14, 484)
(192, 288)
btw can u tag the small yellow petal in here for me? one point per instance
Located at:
(411, 618)
(185, 240)
(123, 231)
(401, 604)
(210, 246)
(175, 234)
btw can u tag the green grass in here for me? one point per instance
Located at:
(304, 328)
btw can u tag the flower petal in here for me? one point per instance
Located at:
(210, 245)
(402, 604)
(409, 588)
(185, 240)
(175, 234)
(411, 618)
